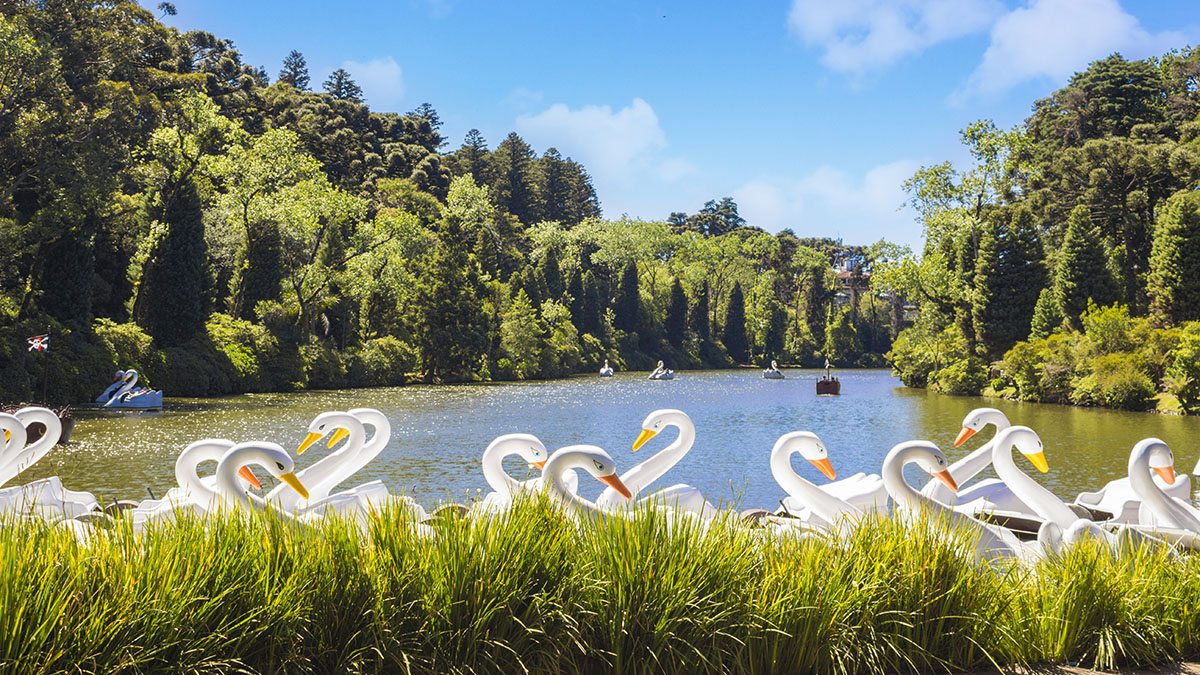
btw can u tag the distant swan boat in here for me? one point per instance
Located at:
(607, 370)
(122, 395)
(772, 373)
(661, 372)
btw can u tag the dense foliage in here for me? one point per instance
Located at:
(1093, 202)
(534, 591)
(164, 206)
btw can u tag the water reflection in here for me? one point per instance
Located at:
(438, 433)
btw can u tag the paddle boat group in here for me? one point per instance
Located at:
(1011, 516)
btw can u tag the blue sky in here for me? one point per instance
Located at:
(810, 113)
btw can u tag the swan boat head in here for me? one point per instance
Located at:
(809, 446)
(1162, 460)
(976, 420)
(527, 446)
(1028, 443)
(592, 459)
(658, 420)
(336, 425)
(273, 458)
(933, 462)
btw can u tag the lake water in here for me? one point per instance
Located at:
(439, 432)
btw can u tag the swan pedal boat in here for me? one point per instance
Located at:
(122, 395)
(772, 373)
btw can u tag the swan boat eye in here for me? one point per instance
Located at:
(280, 465)
(599, 466)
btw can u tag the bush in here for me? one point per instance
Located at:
(324, 366)
(963, 377)
(1042, 370)
(1183, 375)
(129, 345)
(248, 347)
(919, 352)
(1115, 381)
(382, 362)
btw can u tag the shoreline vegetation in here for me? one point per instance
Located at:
(1063, 264)
(167, 207)
(645, 593)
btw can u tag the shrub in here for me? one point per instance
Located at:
(324, 367)
(1115, 381)
(131, 346)
(382, 362)
(247, 346)
(1183, 375)
(966, 377)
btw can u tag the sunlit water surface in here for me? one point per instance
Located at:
(439, 432)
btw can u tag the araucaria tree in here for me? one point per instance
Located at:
(733, 331)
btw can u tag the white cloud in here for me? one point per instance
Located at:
(860, 35)
(675, 169)
(607, 142)
(1052, 39)
(382, 81)
(834, 203)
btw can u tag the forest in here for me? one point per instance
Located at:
(1063, 265)
(166, 206)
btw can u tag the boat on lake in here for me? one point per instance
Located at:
(661, 372)
(829, 385)
(124, 394)
(772, 373)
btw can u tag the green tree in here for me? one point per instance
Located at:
(471, 158)
(628, 304)
(1174, 284)
(842, 345)
(677, 320)
(521, 337)
(514, 179)
(341, 86)
(1008, 277)
(1047, 317)
(552, 273)
(453, 325)
(733, 331)
(716, 218)
(698, 317)
(295, 71)
(173, 304)
(1081, 274)
(774, 331)
(593, 306)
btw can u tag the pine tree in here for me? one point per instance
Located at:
(342, 87)
(699, 315)
(262, 277)
(295, 71)
(676, 322)
(1082, 272)
(67, 267)
(628, 304)
(734, 331)
(454, 328)
(552, 273)
(1046, 316)
(514, 179)
(1008, 276)
(582, 202)
(775, 333)
(172, 302)
(472, 158)
(521, 336)
(556, 187)
(1174, 283)
(593, 306)
(578, 302)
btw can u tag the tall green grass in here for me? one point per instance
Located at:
(534, 591)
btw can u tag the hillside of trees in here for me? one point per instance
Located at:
(1064, 264)
(166, 206)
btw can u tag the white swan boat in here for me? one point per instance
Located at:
(123, 394)
(773, 372)
(661, 372)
